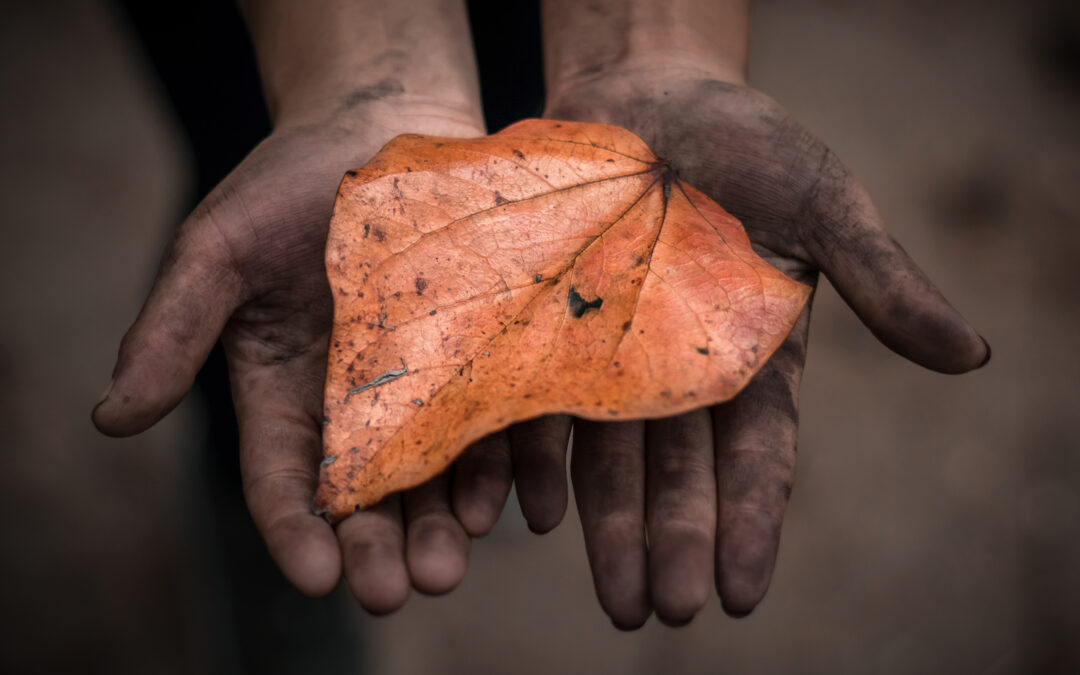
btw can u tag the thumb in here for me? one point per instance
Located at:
(878, 279)
(196, 290)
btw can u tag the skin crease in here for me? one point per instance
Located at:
(708, 487)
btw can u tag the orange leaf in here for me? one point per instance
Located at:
(551, 267)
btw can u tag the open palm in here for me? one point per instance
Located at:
(669, 505)
(247, 267)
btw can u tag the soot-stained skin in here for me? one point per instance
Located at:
(384, 88)
(804, 211)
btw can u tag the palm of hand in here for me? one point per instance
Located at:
(710, 487)
(248, 266)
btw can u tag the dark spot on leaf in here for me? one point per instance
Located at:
(499, 199)
(380, 235)
(539, 278)
(702, 350)
(431, 313)
(420, 284)
(418, 402)
(367, 230)
(351, 173)
(578, 305)
(519, 154)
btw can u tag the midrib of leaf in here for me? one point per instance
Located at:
(508, 202)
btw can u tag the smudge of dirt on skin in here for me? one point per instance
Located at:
(374, 92)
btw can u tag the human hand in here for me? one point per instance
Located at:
(247, 266)
(667, 504)
(341, 79)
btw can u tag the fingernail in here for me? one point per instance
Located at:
(986, 360)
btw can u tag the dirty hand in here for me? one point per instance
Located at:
(670, 505)
(247, 267)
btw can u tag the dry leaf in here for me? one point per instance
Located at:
(552, 267)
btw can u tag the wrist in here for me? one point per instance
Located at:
(638, 40)
(384, 104)
(326, 60)
(642, 76)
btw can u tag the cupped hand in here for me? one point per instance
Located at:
(247, 267)
(671, 506)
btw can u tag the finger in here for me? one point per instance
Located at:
(436, 546)
(608, 470)
(538, 451)
(373, 547)
(482, 479)
(280, 450)
(754, 436)
(680, 513)
(195, 292)
(877, 278)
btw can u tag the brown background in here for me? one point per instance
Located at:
(934, 525)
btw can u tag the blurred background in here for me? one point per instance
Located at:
(935, 523)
